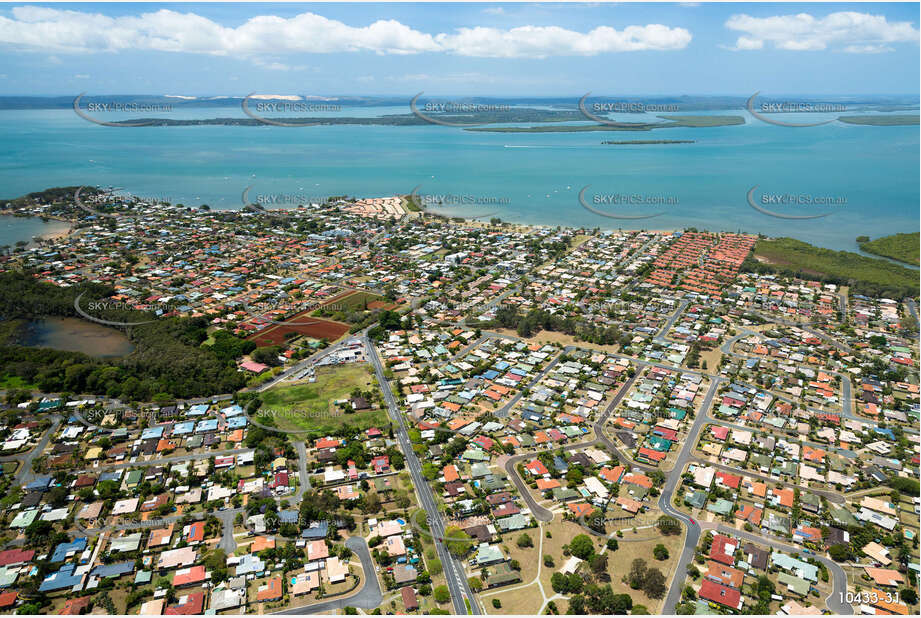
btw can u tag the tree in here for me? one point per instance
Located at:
(685, 609)
(496, 603)
(639, 610)
(660, 552)
(577, 605)
(654, 586)
(599, 563)
(909, 595)
(560, 583)
(582, 547)
(621, 604)
(637, 575)
(668, 525)
(475, 583)
(575, 583)
(596, 521)
(612, 544)
(441, 594)
(840, 553)
(457, 541)
(525, 541)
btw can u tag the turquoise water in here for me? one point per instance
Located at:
(15, 229)
(528, 178)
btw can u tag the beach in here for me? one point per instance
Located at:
(17, 229)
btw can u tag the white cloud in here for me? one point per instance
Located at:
(744, 42)
(868, 49)
(543, 41)
(66, 31)
(845, 31)
(494, 10)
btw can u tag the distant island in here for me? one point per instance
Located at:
(671, 123)
(897, 120)
(551, 118)
(633, 142)
(899, 247)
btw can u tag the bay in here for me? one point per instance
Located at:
(869, 172)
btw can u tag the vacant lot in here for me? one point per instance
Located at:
(310, 405)
(316, 328)
(356, 301)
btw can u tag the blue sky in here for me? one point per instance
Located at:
(469, 49)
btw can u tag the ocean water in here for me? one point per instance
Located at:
(867, 176)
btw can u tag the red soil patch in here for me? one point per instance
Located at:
(317, 328)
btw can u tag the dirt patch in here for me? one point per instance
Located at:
(546, 336)
(317, 328)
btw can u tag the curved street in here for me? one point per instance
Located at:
(368, 597)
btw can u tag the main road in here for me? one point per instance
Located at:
(461, 595)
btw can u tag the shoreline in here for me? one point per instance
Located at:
(45, 235)
(474, 220)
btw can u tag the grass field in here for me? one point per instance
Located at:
(350, 301)
(310, 405)
(10, 381)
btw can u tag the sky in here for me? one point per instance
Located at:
(495, 49)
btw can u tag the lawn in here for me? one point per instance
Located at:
(351, 302)
(310, 405)
(11, 382)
